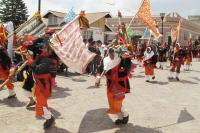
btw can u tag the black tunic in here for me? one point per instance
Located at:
(28, 82)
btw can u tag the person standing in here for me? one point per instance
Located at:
(188, 58)
(177, 59)
(162, 56)
(148, 63)
(40, 65)
(115, 67)
(140, 55)
(93, 65)
(5, 65)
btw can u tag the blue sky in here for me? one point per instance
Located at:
(183, 7)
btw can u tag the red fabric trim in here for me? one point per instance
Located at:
(30, 61)
(45, 91)
(116, 82)
(44, 54)
(6, 72)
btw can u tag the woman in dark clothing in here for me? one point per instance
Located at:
(93, 64)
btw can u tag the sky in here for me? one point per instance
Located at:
(126, 7)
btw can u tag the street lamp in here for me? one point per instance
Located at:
(162, 15)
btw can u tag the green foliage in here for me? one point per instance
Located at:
(13, 10)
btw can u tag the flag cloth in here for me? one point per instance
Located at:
(130, 33)
(70, 16)
(73, 51)
(147, 33)
(9, 28)
(176, 33)
(34, 27)
(172, 32)
(144, 13)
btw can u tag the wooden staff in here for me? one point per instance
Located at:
(13, 72)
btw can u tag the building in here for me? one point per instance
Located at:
(195, 19)
(188, 29)
(98, 27)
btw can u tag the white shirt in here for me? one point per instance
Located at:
(102, 50)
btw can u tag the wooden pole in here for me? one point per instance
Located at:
(149, 38)
(39, 5)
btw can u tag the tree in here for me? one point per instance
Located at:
(13, 10)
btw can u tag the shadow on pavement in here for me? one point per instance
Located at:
(59, 92)
(194, 71)
(14, 102)
(139, 76)
(97, 120)
(94, 87)
(159, 82)
(195, 78)
(55, 113)
(184, 116)
(55, 129)
(79, 80)
(182, 81)
(130, 128)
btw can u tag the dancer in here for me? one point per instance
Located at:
(40, 65)
(28, 83)
(149, 63)
(188, 58)
(162, 56)
(5, 65)
(140, 55)
(116, 68)
(177, 58)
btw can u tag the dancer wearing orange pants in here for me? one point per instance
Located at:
(149, 63)
(5, 63)
(41, 74)
(115, 68)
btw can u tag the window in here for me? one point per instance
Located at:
(185, 36)
(53, 21)
(87, 34)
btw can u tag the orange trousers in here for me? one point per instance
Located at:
(149, 71)
(114, 104)
(9, 85)
(188, 61)
(41, 102)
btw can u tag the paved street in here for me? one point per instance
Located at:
(161, 106)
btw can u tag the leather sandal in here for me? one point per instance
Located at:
(30, 104)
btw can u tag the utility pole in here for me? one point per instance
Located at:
(39, 3)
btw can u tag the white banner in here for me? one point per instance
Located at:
(73, 51)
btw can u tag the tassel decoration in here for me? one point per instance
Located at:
(83, 21)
